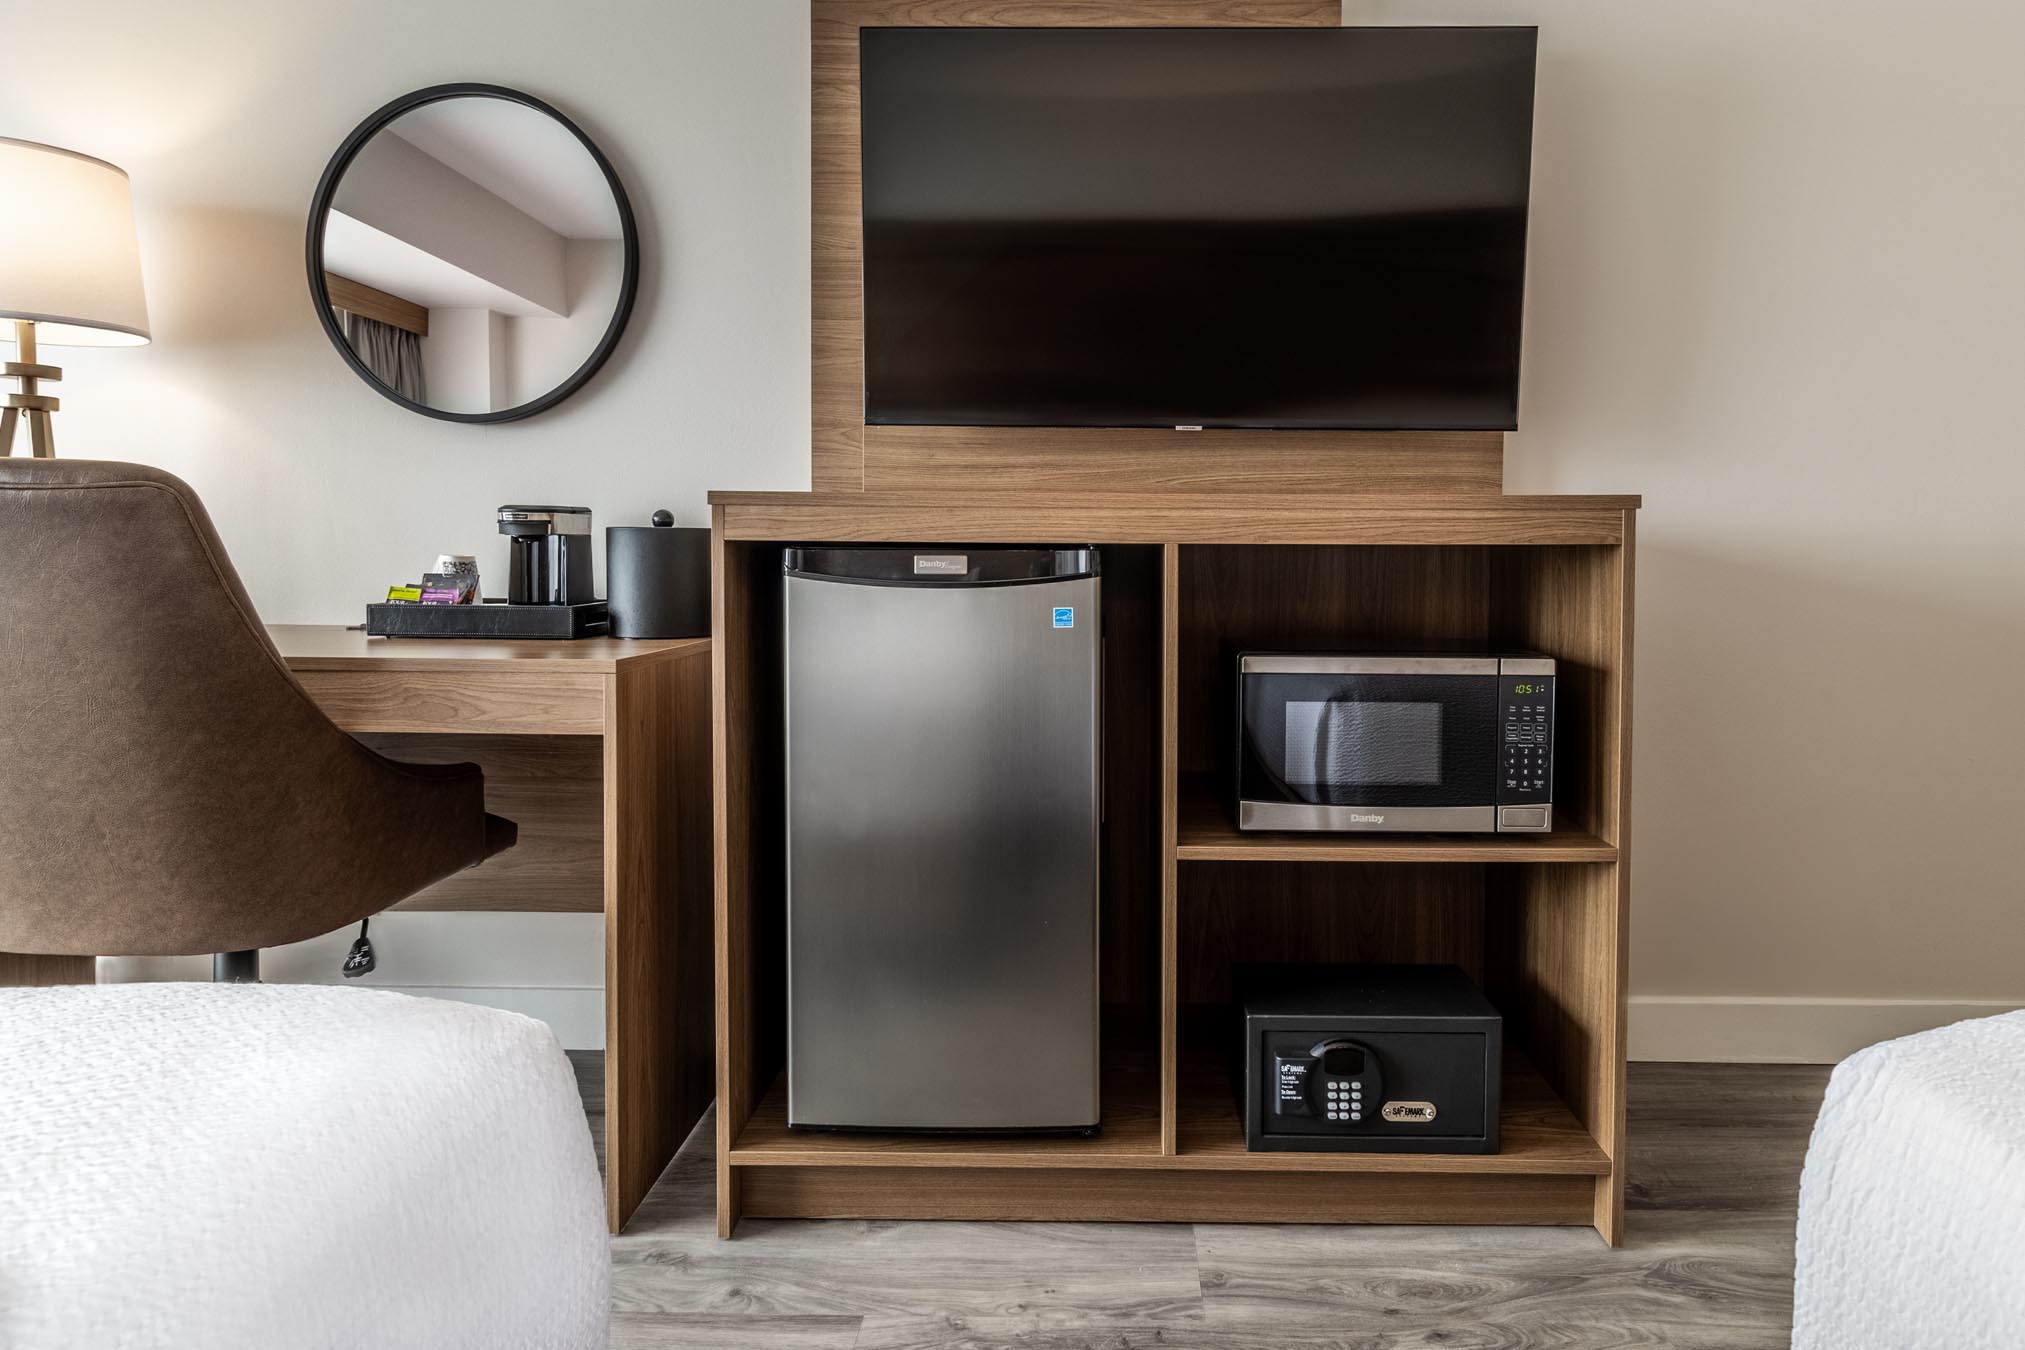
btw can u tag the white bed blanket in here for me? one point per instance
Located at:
(1912, 1204)
(225, 1166)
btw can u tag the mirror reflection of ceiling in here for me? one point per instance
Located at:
(494, 218)
(469, 203)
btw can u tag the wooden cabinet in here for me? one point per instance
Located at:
(1538, 920)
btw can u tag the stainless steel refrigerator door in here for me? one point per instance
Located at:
(942, 855)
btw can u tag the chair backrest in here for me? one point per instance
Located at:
(166, 785)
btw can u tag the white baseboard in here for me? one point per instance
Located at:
(577, 1015)
(548, 966)
(1784, 1030)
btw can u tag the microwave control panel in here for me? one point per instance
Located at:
(1526, 741)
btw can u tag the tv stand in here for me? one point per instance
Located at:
(1539, 920)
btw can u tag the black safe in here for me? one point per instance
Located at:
(1368, 1059)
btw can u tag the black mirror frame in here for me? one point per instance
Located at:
(326, 190)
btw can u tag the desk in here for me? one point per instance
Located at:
(599, 750)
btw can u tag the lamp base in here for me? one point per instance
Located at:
(38, 407)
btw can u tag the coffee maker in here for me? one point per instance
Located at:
(548, 554)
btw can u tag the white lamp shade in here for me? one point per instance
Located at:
(69, 259)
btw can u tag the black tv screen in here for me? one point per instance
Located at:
(1300, 228)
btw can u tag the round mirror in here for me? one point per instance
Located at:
(471, 253)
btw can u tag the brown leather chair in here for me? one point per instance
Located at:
(166, 786)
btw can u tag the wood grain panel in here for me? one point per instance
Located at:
(732, 680)
(507, 702)
(325, 646)
(1130, 1135)
(1568, 602)
(1278, 593)
(552, 788)
(1131, 852)
(18, 971)
(1160, 518)
(1164, 1195)
(1553, 934)
(1080, 459)
(1614, 1034)
(1569, 938)
(355, 297)
(1539, 1133)
(837, 360)
(1236, 912)
(1170, 880)
(659, 1010)
(1208, 834)
(750, 853)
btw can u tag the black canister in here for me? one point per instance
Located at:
(657, 579)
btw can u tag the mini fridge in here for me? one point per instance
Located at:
(944, 724)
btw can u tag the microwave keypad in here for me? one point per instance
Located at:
(1526, 753)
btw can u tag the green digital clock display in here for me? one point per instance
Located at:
(1529, 688)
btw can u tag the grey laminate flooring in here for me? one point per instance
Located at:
(1708, 1262)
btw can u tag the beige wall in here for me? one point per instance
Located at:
(1777, 285)
(1778, 266)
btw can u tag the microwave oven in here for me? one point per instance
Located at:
(1459, 742)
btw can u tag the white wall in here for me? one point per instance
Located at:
(1775, 278)
(324, 491)
(464, 361)
(411, 197)
(542, 352)
(225, 111)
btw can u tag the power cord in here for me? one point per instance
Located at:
(361, 961)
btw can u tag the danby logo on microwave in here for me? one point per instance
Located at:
(1409, 1113)
(941, 564)
(1356, 819)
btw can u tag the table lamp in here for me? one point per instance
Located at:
(70, 271)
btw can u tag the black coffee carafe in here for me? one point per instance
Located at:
(548, 554)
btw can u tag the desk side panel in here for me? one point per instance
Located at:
(658, 1001)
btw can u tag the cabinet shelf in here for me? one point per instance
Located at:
(1205, 833)
(1540, 1136)
(1129, 1101)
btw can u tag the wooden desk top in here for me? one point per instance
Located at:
(319, 646)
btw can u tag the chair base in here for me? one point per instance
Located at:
(236, 967)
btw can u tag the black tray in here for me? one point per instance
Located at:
(492, 619)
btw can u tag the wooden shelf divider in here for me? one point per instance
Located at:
(1207, 834)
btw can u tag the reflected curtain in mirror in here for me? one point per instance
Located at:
(394, 355)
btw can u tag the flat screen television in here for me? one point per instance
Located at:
(1291, 228)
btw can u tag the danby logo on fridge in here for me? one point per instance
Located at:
(1357, 819)
(941, 564)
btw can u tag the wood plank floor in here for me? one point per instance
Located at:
(1708, 1261)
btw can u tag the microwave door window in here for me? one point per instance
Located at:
(1351, 743)
(1369, 740)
